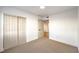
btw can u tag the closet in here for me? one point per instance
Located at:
(14, 32)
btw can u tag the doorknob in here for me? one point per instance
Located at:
(39, 29)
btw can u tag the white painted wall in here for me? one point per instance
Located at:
(32, 28)
(63, 27)
(78, 29)
(1, 32)
(31, 22)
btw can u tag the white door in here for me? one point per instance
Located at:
(21, 30)
(9, 31)
(41, 29)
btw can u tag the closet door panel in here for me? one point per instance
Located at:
(21, 30)
(6, 36)
(10, 31)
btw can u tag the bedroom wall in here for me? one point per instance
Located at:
(78, 29)
(63, 27)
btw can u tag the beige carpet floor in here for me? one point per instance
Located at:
(43, 45)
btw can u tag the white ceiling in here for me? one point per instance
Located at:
(49, 10)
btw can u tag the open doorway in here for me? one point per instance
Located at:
(43, 30)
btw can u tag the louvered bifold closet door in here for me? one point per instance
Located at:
(21, 30)
(10, 31)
